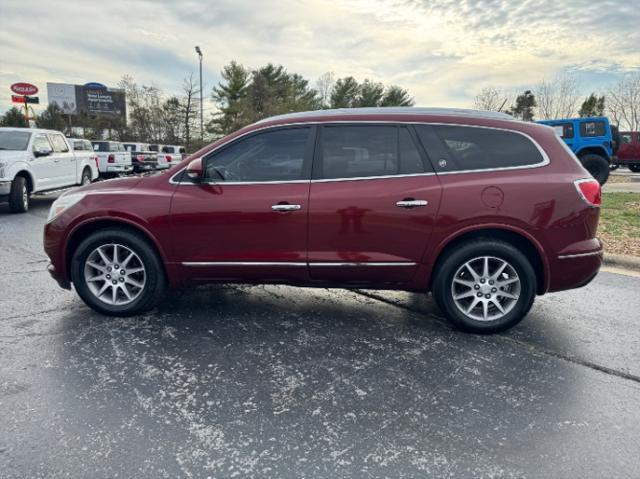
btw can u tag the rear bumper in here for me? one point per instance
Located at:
(119, 168)
(574, 269)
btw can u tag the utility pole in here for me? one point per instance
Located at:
(199, 52)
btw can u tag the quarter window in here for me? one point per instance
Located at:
(592, 128)
(270, 156)
(463, 148)
(367, 151)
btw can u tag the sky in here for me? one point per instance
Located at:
(443, 51)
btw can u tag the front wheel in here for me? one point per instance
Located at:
(117, 273)
(597, 166)
(19, 195)
(484, 286)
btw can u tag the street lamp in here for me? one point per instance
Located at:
(199, 52)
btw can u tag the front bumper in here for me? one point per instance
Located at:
(5, 188)
(63, 283)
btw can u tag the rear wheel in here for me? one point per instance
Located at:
(635, 168)
(597, 166)
(19, 195)
(118, 273)
(86, 177)
(484, 286)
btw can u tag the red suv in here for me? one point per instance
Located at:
(629, 152)
(483, 211)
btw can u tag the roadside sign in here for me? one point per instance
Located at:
(32, 99)
(17, 99)
(22, 88)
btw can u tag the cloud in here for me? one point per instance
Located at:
(443, 51)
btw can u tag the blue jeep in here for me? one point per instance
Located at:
(592, 139)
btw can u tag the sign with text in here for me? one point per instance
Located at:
(92, 99)
(22, 88)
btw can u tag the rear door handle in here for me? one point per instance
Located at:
(411, 203)
(286, 207)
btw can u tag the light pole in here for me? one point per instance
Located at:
(199, 52)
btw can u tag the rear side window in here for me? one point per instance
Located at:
(41, 142)
(592, 128)
(626, 138)
(366, 151)
(463, 148)
(183, 151)
(78, 145)
(59, 144)
(269, 156)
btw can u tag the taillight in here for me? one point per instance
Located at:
(111, 159)
(140, 157)
(590, 191)
(95, 157)
(168, 158)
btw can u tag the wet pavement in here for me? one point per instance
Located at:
(238, 381)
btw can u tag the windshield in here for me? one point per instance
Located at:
(14, 140)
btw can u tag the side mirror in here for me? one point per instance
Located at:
(194, 169)
(41, 152)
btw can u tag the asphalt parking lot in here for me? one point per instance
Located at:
(238, 381)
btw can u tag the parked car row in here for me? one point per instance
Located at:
(37, 160)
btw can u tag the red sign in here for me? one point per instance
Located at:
(17, 99)
(24, 88)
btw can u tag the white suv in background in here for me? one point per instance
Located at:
(34, 161)
(113, 158)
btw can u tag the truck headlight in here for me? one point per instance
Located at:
(63, 203)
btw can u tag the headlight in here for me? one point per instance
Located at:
(63, 203)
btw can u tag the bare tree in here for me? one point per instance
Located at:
(324, 85)
(491, 99)
(189, 107)
(558, 98)
(624, 102)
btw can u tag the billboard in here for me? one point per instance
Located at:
(92, 99)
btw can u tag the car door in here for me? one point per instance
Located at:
(248, 219)
(373, 202)
(64, 161)
(42, 164)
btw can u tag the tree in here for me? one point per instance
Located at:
(344, 93)
(188, 109)
(370, 94)
(490, 99)
(52, 118)
(592, 106)
(228, 96)
(396, 96)
(324, 85)
(14, 117)
(624, 101)
(523, 109)
(557, 98)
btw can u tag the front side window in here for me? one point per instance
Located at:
(59, 144)
(41, 143)
(270, 156)
(592, 128)
(366, 151)
(465, 148)
(564, 130)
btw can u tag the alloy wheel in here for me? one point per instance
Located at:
(114, 274)
(486, 288)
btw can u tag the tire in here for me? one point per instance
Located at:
(597, 166)
(19, 195)
(451, 272)
(634, 168)
(151, 278)
(86, 177)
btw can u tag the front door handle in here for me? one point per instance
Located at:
(409, 203)
(286, 207)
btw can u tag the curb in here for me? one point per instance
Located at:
(622, 261)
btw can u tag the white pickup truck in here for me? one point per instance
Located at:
(34, 161)
(168, 155)
(113, 158)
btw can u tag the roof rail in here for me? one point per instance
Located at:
(393, 110)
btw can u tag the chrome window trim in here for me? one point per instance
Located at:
(545, 158)
(294, 264)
